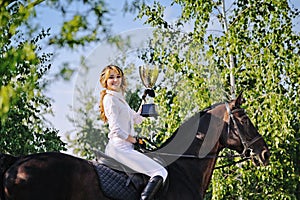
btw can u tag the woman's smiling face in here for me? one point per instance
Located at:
(114, 81)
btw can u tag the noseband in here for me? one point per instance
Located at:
(241, 136)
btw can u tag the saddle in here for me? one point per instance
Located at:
(118, 181)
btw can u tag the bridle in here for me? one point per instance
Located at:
(239, 133)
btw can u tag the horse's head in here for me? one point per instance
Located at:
(242, 135)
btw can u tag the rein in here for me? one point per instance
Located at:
(209, 156)
(233, 163)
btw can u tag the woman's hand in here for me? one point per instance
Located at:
(131, 139)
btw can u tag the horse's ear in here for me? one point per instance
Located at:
(239, 100)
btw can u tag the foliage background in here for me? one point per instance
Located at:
(23, 102)
(257, 38)
(265, 48)
(27, 52)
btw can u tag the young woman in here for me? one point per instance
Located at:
(121, 118)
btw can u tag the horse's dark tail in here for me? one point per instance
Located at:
(5, 162)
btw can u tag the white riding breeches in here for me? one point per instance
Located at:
(123, 152)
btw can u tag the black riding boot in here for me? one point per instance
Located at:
(151, 188)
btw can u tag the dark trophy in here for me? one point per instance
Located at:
(148, 75)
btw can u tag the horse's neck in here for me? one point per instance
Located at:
(206, 146)
(212, 127)
(198, 171)
(190, 176)
(207, 167)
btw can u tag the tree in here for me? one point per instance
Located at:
(24, 65)
(78, 29)
(23, 103)
(261, 43)
(83, 22)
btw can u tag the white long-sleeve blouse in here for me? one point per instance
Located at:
(121, 118)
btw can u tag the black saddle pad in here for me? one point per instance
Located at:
(118, 185)
(119, 182)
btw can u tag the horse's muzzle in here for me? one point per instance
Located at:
(262, 158)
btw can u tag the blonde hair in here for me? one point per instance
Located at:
(103, 81)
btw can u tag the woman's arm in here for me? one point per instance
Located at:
(111, 108)
(137, 118)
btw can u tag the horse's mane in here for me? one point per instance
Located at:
(204, 111)
(198, 114)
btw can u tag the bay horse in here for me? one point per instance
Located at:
(58, 176)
